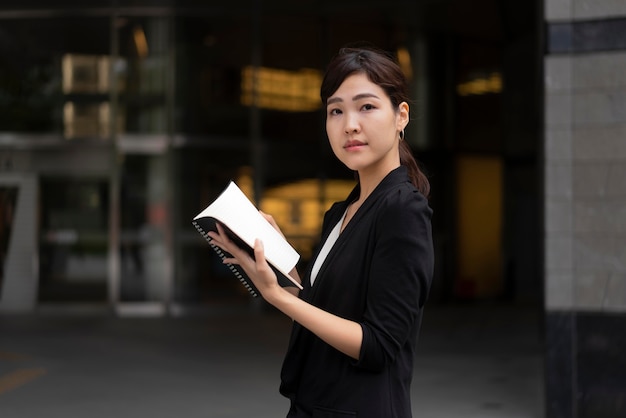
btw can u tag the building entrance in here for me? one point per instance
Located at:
(142, 278)
(73, 239)
(132, 119)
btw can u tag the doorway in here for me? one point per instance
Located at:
(73, 240)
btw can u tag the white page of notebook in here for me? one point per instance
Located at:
(237, 212)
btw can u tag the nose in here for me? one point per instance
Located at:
(351, 123)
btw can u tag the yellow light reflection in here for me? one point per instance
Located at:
(299, 207)
(141, 43)
(270, 88)
(479, 226)
(491, 84)
(404, 60)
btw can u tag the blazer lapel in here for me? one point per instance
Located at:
(396, 176)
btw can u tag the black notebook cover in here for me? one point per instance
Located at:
(204, 225)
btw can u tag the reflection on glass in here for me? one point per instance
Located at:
(85, 73)
(143, 223)
(86, 86)
(210, 55)
(36, 77)
(74, 240)
(480, 83)
(271, 88)
(141, 74)
(86, 120)
(298, 208)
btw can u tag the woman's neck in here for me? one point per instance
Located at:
(368, 181)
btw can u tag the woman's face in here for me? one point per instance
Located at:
(363, 127)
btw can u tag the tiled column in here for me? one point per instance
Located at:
(585, 208)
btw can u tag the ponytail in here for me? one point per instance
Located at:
(416, 175)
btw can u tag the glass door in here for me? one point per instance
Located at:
(141, 282)
(73, 241)
(144, 273)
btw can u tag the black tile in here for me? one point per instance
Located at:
(586, 36)
(559, 361)
(585, 362)
(601, 358)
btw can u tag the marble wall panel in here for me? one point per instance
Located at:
(601, 70)
(558, 145)
(559, 291)
(599, 143)
(559, 110)
(558, 73)
(590, 179)
(558, 180)
(600, 216)
(559, 252)
(558, 216)
(597, 107)
(590, 290)
(597, 9)
(615, 298)
(616, 182)
(599, 252)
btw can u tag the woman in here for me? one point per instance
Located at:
(357, 319)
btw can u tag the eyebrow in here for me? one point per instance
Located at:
(354, 99)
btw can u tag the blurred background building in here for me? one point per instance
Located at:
(121, 120)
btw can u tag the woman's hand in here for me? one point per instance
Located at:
(257, 268)
(343, 334)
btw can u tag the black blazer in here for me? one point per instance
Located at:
(378, 274)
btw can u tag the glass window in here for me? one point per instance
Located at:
(143, 235)
(34, 74)
(211, 54)
(213, 124)
(141, 74)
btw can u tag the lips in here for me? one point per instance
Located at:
(353, 144)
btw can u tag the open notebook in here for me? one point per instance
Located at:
(244, 224)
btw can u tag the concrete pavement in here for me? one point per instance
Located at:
(473, 362)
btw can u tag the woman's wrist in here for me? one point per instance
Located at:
(276, 296)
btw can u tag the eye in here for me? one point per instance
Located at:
(334, 112)
(368, 106)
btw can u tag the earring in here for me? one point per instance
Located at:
(401, 135)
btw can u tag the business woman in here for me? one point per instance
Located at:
(357, 319)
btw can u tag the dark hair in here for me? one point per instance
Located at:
(381, 69)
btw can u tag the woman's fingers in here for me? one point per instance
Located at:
(270, 219)
(259, 256)
(238, 255)
(257, 267)
(220, 238)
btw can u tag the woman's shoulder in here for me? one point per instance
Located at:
(405, 195)
(402, 209)
(397, 189)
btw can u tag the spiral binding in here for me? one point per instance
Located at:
(221, 254)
